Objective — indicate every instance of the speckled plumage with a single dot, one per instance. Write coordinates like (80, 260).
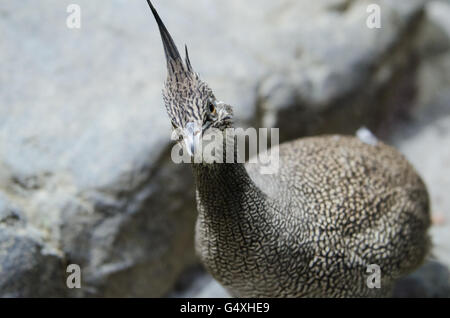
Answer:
(335, 206)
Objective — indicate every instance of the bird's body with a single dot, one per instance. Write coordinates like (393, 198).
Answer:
(336, 208)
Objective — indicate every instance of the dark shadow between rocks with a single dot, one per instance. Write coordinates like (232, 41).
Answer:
(432, 280)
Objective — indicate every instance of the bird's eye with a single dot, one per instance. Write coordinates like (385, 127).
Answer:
(212, 108)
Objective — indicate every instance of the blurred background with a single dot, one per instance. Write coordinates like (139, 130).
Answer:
(85, 170)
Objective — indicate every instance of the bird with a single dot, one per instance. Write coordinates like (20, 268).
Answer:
(337, 207)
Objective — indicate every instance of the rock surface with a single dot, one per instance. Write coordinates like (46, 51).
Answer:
(424, 137)
(85, 172)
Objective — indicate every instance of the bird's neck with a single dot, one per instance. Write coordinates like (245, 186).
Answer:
(230, 208)
(233, 214)
(223, 181)
(226, 187)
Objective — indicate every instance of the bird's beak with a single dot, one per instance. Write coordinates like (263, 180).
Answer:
(192, 138)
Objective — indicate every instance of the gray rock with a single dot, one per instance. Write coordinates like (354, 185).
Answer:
(84, 146)
(10, 215)
(424, 137)
(425, 140)
(27, 269)
(432, 281)
(344, 74)
(211, 289)
(85, 172)
(197, 283)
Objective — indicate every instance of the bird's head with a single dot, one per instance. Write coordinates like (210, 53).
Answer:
(190, 103)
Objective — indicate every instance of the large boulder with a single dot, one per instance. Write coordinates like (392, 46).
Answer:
(85, 170)
(84, 152)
